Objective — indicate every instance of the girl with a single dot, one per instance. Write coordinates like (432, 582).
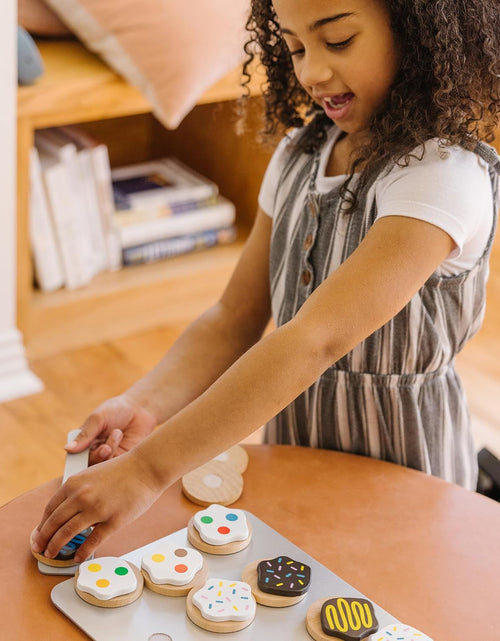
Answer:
(370, 246)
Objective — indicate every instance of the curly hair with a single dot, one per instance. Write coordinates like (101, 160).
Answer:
(447, 85)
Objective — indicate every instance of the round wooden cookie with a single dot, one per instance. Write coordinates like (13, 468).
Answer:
(223, 627)
(236, 457)
(167, 589)
(228, 548)
(55, 563)
(249, 575)
(116, 602)
(315, 628)
(214, 482)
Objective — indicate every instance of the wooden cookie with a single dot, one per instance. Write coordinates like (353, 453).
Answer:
(236, 457)
(341, 618)
(108, 582)
(400, 632)
(214, 482)
(221, 606)
(279, 582)
(66, 555)
(172, 570)
(219, 530)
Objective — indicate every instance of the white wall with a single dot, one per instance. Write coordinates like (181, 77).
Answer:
(15, 377)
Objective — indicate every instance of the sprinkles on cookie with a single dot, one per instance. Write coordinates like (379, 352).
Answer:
(283, 576)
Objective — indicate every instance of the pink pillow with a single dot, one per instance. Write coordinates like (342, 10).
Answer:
(37, 18)
(172, 50)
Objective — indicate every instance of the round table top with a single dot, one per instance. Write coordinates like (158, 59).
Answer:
(425, 550)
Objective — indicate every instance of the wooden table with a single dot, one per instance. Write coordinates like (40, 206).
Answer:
(425, 550)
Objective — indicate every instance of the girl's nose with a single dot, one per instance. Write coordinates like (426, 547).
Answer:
(313, 69)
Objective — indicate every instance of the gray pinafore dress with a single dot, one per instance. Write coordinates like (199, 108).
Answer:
(396, 396)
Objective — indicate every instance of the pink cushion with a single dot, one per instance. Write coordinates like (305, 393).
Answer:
(172, 50)
(37, 18)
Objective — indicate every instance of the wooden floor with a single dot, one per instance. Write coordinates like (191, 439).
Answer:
(34, 429)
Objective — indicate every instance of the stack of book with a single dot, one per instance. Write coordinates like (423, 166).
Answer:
(86, 218)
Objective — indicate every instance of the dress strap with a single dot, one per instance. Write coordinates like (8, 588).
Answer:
(488, 154)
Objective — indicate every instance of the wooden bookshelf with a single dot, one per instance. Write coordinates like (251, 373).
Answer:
(77, 88)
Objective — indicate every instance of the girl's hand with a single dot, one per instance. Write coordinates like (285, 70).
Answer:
(114, 428)
(105, 496)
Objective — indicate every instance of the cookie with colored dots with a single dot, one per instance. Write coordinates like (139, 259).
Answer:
(214, 482)
(349, 619)
(278, 582)
(108, 582)
(172, 570)
(221, 605)
(65, 557)
(219, 530)
(400, 632)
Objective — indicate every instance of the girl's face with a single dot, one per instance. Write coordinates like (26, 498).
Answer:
(344, 55)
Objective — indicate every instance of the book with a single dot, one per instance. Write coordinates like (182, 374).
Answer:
(166, 184)
(68, 224)
(53, 146)
(47, 264)
(169, 247)
(221, 214)
(102, 186)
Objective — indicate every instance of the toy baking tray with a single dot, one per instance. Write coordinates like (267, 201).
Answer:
(154, 617)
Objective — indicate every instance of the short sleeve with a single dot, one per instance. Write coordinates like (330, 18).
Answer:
(274, 171)
(449, 187)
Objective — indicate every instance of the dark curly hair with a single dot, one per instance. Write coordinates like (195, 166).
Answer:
(447, 85)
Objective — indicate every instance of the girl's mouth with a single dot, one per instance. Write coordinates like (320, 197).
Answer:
(338, 106)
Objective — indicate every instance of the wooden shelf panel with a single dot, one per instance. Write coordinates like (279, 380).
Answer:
(173, 291)
(78, 87)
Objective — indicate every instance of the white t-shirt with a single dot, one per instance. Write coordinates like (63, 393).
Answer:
(450, 188)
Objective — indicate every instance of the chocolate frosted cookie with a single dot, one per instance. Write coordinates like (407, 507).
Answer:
(348, 619)
(283, 576)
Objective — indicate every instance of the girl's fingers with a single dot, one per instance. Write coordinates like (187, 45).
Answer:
(91, 428)
(107, 450)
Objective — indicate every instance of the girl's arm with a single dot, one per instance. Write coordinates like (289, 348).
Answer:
(375, 282)
(199, 356)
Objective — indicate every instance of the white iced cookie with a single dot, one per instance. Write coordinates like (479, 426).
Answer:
(108, 582)
(221, 605)
(219, 530)
(399, 632)
(172, 570)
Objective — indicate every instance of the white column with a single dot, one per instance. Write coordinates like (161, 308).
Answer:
(16, 379)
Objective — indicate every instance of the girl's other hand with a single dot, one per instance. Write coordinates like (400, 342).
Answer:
(105, 496)
(112, 429)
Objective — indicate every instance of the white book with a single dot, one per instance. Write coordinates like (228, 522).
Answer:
(101, 172)
(164, 182)
(54, 143)
(67, 222)
(222, 214)
(44, 246)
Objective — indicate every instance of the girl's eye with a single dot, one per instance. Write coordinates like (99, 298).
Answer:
(297, 52)
(340, 45)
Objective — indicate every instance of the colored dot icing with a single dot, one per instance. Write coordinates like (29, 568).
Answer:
(283, 576)
(122, 571)
(106, 579)
(348, 619)
(215, 528)
(225, 600)
(169, 571)
(400, 632)
(69, 550)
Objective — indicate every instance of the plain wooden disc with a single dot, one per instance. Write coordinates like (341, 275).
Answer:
(214, 482)
(118, 601)
(236, 457)
(167, 589)
(55, 563)
(228, 548)
(249, 575)
(212, 626)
